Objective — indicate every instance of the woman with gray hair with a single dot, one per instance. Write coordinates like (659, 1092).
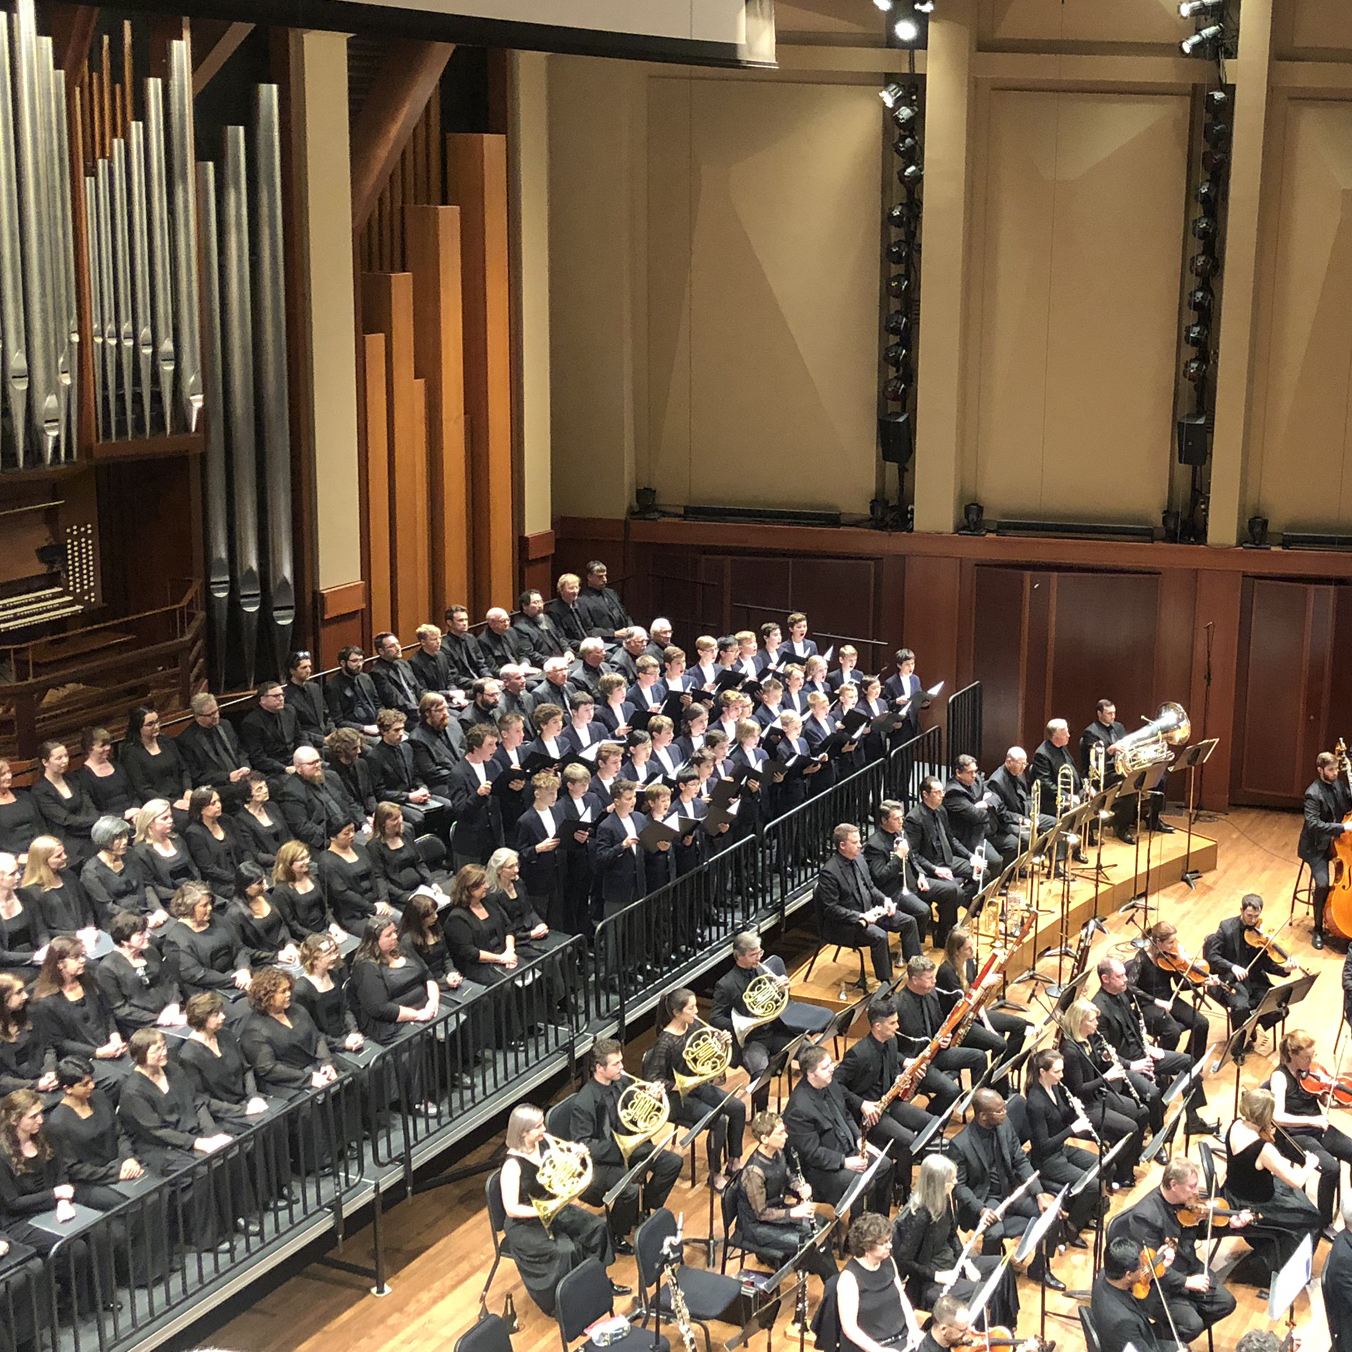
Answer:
(115, 877)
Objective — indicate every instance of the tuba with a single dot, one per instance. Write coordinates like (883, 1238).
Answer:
(565, 1174)
(1150, 745)
(708, 1053)
(765, 998)
(642, 1110)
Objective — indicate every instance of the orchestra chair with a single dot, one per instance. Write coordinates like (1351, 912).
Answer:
(497, 1224)
(584, 1297)
(488, 1335)
(728, 1212)
(1016, 1106)
(433, 852)
(841, 940)
(1302, 891)
(708, 1295)
(1091, 1338)
(557, 1116)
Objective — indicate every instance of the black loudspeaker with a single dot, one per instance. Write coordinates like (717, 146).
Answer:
(895, 438)
(1192, 446)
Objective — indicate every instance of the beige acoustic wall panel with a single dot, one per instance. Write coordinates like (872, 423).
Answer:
(1120, 21)
(1299, 470)
(763, 288)
(1076, 308)
(1318, 30)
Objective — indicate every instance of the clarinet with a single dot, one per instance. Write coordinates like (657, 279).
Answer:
(1145, 1037)
(1079, 1109)
(797, 1182)
(1110, 1052)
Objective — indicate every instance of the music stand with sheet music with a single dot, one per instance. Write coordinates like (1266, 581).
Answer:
(1033, 1236)
(1095, 1174)
(865, 1180)
(1189, 759)
(1278, 1000)
(1293, 1277)
(773, 1302)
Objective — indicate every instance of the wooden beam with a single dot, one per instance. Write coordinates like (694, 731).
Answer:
(72, 30)
(407, 80)
(208, 62)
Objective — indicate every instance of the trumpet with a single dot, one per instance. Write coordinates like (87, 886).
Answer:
(565, 1173)
(642, 1109)
(765, 999)
(1097, 768)
(708, 1053)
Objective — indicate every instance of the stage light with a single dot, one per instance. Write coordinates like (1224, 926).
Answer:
(1196, 335)
(896, 323)
(1208, 193)
(924, 6)
(899, 286)
(907, 148)
(1203, 265)
(1258, 532)
(1204, 227)
(891, 95)
(973, 519)
(1197, 367)
(912, 175)
(903, 214)
(1217, 100)
(1212, 33)
(896, 354)
(1200, 299)
(903, 115)
(1189, 8)
(1215, 161)
(906, 30)
(884, 5)
(899, 251)
(896, 391)
(1216, 134)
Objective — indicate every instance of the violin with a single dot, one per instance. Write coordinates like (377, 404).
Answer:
(1265, 941)
(1156, 1265)
(1000, 1335)
(1214, 1210)
(1195, 971)
(1334, 1090)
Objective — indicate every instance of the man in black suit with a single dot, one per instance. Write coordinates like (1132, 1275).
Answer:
(467, 659)
(565, 611)
(1195, 1299)
(270, 732)
(555, 688)
(659, 637)
(826, 1129)
(351, 694)
(396, 684)
(477, 810)
(314, 805)
(585, 674)
(633, 645)
(1327, 802)
(515, 698)
(992, 1165)
(499, 643)
(1119, 1319)
(920, 1015)
(483, 707)
(1050, 760)
(869, 1070)
(887, 855)
(1337, 1286)
(854, 911)
(594, 1120)
(1104, 732)
(972, 811)
(1233, 959)
(438, 743)
(1014, 806)
(396, 776)
(941, 860)
(538, 630)
(431, 664)
(306, 696)
(602, 610)
(213, 752)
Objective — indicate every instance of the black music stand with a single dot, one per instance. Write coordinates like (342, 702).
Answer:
(1095, 1174)
(1154, 778)
(1190, 759)
(765, 1314)
(863, 1182)
(1033, 1236)
(1278, 1000)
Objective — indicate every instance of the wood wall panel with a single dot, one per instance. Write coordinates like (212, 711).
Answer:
(931, 632)
(432, 237)
(476, 180)
(341, 613)
(537, 562)
(376, 440)
(998, 643)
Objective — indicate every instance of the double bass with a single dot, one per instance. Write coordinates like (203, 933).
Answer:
(1338, 906)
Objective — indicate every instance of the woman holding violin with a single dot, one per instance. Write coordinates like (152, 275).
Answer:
(1259, 1178)
(1302, 1091)
(1171, 985)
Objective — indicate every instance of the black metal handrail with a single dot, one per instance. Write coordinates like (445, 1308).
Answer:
(965, 723)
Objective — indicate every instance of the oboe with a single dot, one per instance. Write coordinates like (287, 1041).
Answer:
(799, 1185)
(1145, 1037)
(1079, 1109)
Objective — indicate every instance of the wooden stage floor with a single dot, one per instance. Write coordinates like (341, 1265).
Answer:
(438, 1242)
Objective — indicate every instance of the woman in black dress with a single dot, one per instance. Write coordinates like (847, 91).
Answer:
(677, 1015)
(298, 898)
(391, 986)
(1053, 1120)
(872, 1308)
(926, 1247)
(261, 827)
(84, 1131)
(544, 1256)
(532, 935)
(115, 877)
(53, 887)
(288, 1053)
(20, 820)
(321, 991)
(139, 986)
(164, 857)
(1099, 1084)
(213, 842)
(259, 926)
(420, 932)
(206, 951)
(64, 801)
(349, 881)
(1305, 1117)
(154, 765)
(215, 1063)
(477, 931)
(1260, 1178)
(401, 871)
(72, 1017)
(26, 1061)
(107, 782)
(23, 930)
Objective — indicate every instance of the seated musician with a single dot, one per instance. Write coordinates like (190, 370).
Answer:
(1327, 804)
(1053, 1120)
(1157, 976)
(874, 1314)
(972, 811)
(869, 1070)
(677, 1015)
(774, 1201)
(921, 1014)
(1259, 1176)
(763, 1042)
(1051, 762)
(1336, 1283)
(854, 911)
(887, 854)
(926, 1247)
(826, 1129)
(1194, 1299)
(937, 855)
(996, 1031)
(1106, 731)
(1014, 794)
(1151, 1069)
(1119, 1317)
(1235, 951)
(594, 1120)
(951, 1326)
(1304, 1116)
(992, 1166)
(1102, 1086)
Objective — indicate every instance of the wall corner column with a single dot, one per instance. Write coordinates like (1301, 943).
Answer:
(943, 265)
